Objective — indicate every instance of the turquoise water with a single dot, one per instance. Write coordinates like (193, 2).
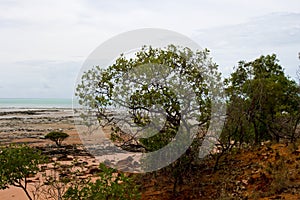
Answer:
(35, 103)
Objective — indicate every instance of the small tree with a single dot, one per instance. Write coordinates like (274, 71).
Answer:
(57, 137)
(17, 163)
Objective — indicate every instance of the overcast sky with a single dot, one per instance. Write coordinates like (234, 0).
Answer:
(44, 43)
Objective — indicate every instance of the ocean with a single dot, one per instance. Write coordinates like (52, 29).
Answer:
(35, 103)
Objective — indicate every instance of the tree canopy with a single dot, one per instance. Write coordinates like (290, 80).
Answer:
(57, 136)
(151, 100)
(263, 102)
(17, 163)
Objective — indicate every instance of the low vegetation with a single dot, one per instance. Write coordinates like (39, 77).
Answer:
(17, 163)
(109, 185)
(21, 164)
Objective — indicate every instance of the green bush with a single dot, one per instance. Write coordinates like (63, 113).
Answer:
(17, 163)
(110, 185)
(57, 137)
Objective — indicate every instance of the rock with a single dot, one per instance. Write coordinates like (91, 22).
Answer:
(41, 137)
(107, 162)
(85, 163)
(245, 182)
(129, 159)
(123, 163)
(43, 168)
(95, 170)
(136, 164)
(64, 158)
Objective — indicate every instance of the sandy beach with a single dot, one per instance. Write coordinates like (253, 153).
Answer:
(30, 126)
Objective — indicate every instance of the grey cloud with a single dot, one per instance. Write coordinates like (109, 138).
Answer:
(275, 33)
(40, 78)
(270, 30)
(12, 23)
(35, 62)
(46, 86)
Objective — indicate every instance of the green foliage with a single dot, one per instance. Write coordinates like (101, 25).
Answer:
(57, 137)
(17, 163)
(263, 103)
(187, 70)
(110, 185)
(99, 87)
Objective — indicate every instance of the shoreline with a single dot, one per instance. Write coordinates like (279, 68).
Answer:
(29, 126)
(32, 124)
(34, 108)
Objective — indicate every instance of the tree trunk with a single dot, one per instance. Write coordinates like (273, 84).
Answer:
(25, 190)
(256, 132)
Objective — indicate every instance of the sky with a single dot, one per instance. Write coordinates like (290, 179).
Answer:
(43, 44)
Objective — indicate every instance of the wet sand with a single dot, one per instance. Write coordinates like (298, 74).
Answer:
(30, 126)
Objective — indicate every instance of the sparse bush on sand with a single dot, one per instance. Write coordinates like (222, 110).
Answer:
(57, 137)
(18, 162)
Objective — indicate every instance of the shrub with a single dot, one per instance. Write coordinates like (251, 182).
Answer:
(17, 163)
(57, 137)
(110, 185)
